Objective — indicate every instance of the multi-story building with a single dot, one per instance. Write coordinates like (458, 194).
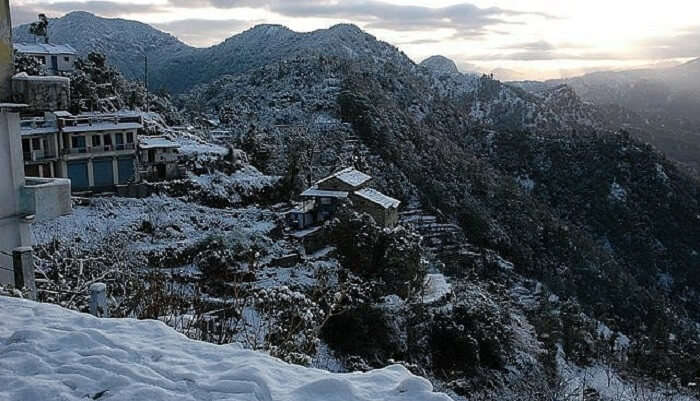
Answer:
(96, 151)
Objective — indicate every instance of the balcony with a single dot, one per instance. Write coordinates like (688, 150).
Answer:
(46, 198)
(38, 155)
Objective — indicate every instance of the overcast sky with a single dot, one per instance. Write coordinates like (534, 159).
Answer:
(515, 38)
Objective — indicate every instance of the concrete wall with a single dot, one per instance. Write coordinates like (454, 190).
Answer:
(42, 93)
(388, 217)
(62, 64)
(6, 58)
(14, 230)
(47, 198)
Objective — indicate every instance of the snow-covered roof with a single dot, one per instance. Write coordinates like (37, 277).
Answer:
(104, 126)
(377, 197)
(47, 351)
(44, 48)
(154, 142)
(319, 193)
(62, 114)
(349, 176)
(29, 131)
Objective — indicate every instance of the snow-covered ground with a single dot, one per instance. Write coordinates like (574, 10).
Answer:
(50, 353)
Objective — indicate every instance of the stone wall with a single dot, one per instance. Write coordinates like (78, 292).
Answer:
(41, 93)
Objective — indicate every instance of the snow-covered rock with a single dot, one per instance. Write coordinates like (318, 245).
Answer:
(50, 353)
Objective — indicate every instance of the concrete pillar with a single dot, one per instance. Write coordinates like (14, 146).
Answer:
(23, 260)
(91, 174)
(98, 300)
(6, 56)
(115, 170)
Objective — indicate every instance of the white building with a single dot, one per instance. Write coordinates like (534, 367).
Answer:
(96, 151)
(54, 58)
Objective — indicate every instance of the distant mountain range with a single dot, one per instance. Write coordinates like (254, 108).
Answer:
(660, 106)
(178, 67)
(535, 173)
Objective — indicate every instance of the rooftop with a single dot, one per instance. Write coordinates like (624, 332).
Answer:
(155, 142)
(102, 126)
(377, 197)
(44, 48)
(350, 176)
(314, 192)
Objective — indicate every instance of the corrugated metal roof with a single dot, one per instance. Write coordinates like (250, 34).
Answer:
(44, 48)
(349, 176)
(153, 142)
(377, 197)
(319, 193)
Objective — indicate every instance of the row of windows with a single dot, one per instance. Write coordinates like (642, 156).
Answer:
(102, 140)
(42, 59)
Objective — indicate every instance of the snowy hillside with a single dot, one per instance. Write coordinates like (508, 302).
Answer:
(52, 353)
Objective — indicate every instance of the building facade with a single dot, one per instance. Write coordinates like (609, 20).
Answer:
(54, 58)
(158, 158)
(96, 152)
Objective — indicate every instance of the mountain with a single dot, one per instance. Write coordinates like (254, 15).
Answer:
(569, 234)
(536, 182)
(124, 42)
(657, 105)
(440, 64)
(178, 67)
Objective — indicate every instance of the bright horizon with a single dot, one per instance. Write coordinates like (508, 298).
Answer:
(540, 40)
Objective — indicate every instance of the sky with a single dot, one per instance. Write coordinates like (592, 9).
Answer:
(514, 39)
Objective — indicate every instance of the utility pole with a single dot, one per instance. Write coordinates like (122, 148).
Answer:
(145, 82)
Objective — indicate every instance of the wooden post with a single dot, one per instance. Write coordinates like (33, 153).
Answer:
(23, 261)
(98, 300)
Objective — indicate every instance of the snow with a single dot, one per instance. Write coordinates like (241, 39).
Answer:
(103, 126)
(436, 288)
(617, 192)
(319, 193)
(349, 176)
(377, 197)
(153, 142)
(45, 48)
(191, 146)
(50, 353)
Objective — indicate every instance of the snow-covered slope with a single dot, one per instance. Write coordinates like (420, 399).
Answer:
(50, 353)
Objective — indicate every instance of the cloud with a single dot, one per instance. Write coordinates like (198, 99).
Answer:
(467, 20)
(684, 44)
(27, 12)
(202, 32)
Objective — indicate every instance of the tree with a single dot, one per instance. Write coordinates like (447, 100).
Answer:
(40, 28)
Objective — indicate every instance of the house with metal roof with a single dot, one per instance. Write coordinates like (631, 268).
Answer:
(53, 57)
(329, 193)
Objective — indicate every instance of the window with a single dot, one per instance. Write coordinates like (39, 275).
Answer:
(107, 139)
(41, 59)
(119, 141)
(129, 137)
(66, 59)
(25, 146)
(96, 140)
(36, 143)
(78, 142)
